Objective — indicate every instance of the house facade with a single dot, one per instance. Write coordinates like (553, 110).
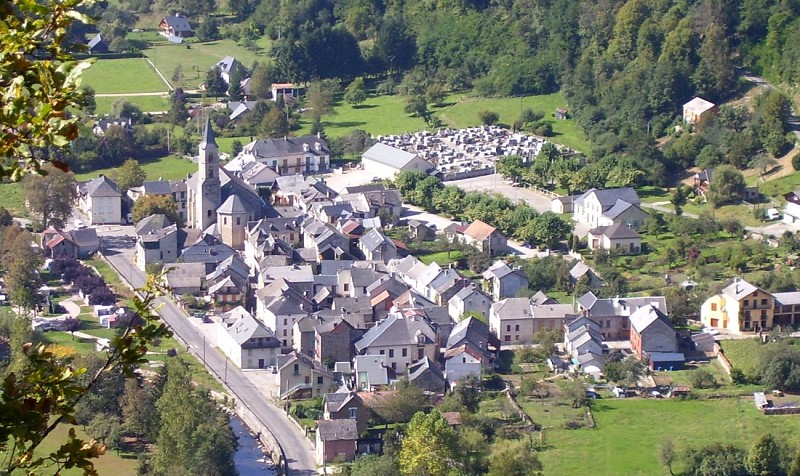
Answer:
(613, 314)
(469, 300)
(605, 207)
(402, 341)
(505, 281)
(100, 201)
(740, 307)
(246, 341)
(616, 238)
(336, 441)
(290, 155)
(652, 332)
(486, 238)
(300, 375)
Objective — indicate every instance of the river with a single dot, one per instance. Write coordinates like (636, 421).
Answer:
(250, 458)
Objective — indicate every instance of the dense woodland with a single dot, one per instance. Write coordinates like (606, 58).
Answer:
(625, 67)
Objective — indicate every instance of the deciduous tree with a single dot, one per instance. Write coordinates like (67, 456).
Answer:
(151, 204)
(513, 458)
(130, 174)
(356, 92)
(428, 446)
(51, 197)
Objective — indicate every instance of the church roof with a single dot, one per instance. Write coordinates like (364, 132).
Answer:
(233, 205)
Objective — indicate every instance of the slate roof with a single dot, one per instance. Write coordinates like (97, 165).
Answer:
(617, 231)
(645, 316)
(101, 186)
(541, 298)
(233, 205)
(788, 298)
(388, 155)
(85, 237)
(468, 291)
(179, 23)
(228, 64)
(337, 400)
(185, 275)
(98, 42)
(247, 327)
(608, 197)
(157, 187)
(396, 331)
(552, 311)
(624, 306)
(373, 239)
(471, 330)
(512, 308)
(281, 299)
(739, 288)
(419, 368)
(152, 223)
(337, 430)
(500, 270)
(269, 148)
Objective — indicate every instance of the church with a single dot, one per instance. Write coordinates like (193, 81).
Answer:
(218, 202)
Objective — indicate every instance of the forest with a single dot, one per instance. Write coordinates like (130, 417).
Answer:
(624, 66)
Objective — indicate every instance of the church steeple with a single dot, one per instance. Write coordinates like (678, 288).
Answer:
(208, 135)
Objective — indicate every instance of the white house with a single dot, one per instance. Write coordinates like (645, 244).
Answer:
(462, 361)
(99, 199)
(694, 110)
(469, 299)
(617, 237)
(383, 161)
(608, 206)
(289, 155)
(791, 212)
(246, 341)
(403, 341)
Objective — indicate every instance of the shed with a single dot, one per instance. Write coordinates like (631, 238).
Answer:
(561, 114)
(666, 360)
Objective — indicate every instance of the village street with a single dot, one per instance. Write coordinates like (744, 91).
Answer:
(247, 387)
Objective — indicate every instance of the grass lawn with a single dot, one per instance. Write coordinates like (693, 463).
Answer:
(123, 464)
(168, 168)
(464, 113)
(105, 105)
(12, 197)
(778, 187)
(629, 431)
(226, 143)
(110, 276)
(81, 346)
(551, 413)
(651, 194)
(742, 353)
(441, 257)
(127, 75)
(196, 59)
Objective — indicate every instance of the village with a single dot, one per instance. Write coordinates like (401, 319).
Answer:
(310, 293)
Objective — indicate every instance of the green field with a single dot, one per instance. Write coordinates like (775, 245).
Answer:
(629, 431)
(384, 115)
(778, 187)
(196, 59)
(168, 168)
(145, 103)
(464, 113)
(110, 463)
(128, 75)
(441, 258)
(12, 197)
(742, 353)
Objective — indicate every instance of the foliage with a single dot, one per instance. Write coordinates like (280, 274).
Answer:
(764, 458)
(373, 465)
(401, 407)
(626, 372)
(39, 80)
(44, 392)
(513, 458)
(779, 366)
(727, 186)
(428, 446)
(356, 92)
(715, 459)
(194, 435)
(666, 454)
(151, 204)
(50, 197)
(129, 174)
(702, 378)
(488, 118)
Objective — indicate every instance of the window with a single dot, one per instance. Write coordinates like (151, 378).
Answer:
(224, 220)
(421, 353)
(346, 287)
(307, 380)
(405, 352)
(391, 352)
(713, 306)
(319, 380)
(208, 213)
(353, 412)
(291, 236)
(508, 328)
(746, 302)
(296, 368)
(284, 333)
(383, 352)
(284, 342)
(763, 302)
(238, 220)
(284, 322)
(507, 338)
(516, 337)
(516, 328)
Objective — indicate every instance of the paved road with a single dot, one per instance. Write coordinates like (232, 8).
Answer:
(297, 448)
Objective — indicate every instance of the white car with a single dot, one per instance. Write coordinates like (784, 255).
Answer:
(79, 225)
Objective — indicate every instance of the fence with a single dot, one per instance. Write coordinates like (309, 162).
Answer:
(726, 364)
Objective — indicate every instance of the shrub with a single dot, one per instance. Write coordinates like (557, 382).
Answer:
(702, 378)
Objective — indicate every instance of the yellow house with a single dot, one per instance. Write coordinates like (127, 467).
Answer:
(741, 307)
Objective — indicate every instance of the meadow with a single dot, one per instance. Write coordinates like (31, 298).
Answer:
(629, 432)
(120, 76)
(105, 105)
(12, 197)
(195, 59)
(168, 168)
